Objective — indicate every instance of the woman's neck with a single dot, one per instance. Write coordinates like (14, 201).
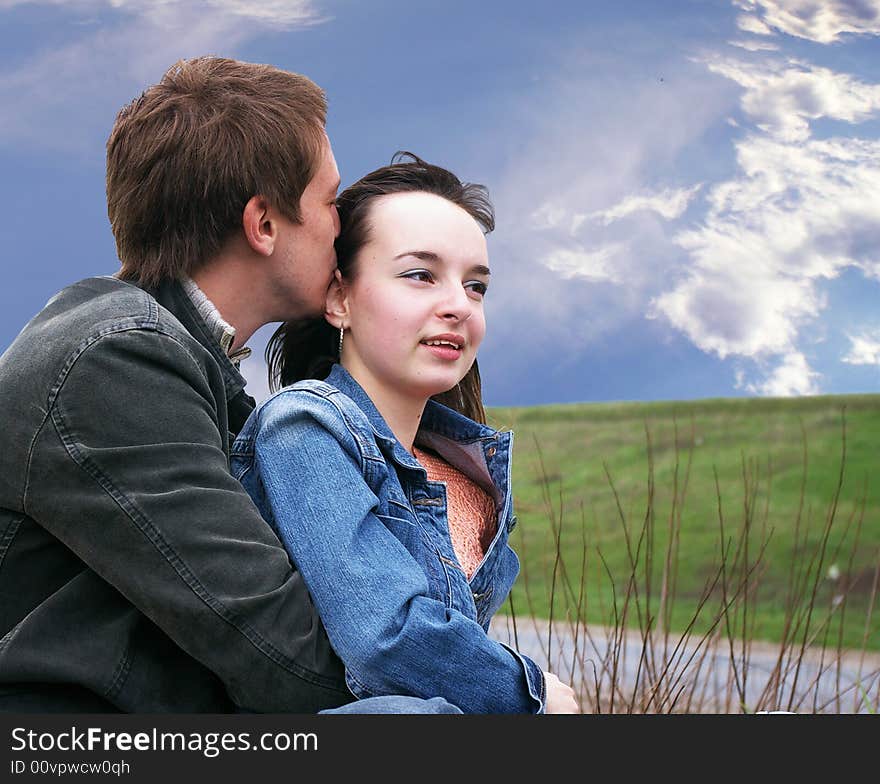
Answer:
(401, 413)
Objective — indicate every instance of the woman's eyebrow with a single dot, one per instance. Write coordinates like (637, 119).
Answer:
(427, 255)
(424, 255)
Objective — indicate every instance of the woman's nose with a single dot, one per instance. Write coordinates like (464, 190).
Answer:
(456, 305)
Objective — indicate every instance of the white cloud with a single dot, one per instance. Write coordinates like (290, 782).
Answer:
(287, 13)
(579, 262)
(748, 281)
(796, 215)
(67, 95)
(550, 216)
(871, 268)
(799, 212)
(782, 98)
(753, 45)
(751, 24)
(823, 21)
(569, 283)
(739, 307)
(864, 349)
(792, 376)
(174, 13)
(669, 204)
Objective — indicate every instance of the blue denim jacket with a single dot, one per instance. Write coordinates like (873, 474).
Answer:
(369, 534)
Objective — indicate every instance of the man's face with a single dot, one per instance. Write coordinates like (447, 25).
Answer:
(307, 258)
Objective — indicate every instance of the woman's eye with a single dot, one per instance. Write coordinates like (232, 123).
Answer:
(477, 287)
(422, 275)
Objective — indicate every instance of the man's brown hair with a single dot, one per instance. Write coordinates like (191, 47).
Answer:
(185, 157)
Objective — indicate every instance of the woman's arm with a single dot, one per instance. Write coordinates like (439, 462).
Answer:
(371, 594)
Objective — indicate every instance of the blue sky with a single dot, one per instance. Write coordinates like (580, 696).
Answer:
(687, 192)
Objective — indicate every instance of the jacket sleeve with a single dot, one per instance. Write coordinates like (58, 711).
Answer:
(371, 594)
(129, 470)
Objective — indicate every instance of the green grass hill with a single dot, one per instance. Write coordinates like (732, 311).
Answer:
(667, 511)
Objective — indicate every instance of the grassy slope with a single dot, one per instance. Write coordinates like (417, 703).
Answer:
(758, 447)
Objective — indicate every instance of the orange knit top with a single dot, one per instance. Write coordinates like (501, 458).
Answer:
(469, 509)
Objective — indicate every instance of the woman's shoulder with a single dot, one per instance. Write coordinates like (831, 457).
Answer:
(310, 394)
(316, 402)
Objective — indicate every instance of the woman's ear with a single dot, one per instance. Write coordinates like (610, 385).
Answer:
(336, 306)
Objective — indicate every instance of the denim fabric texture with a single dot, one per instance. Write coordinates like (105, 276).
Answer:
(369, 533)
(395, 704)
(136, 574)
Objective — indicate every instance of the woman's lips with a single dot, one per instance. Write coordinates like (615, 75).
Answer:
(443, 351)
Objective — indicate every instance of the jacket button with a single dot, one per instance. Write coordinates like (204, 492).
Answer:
(490, 451)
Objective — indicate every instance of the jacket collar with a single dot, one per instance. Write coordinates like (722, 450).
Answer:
(342, 380)
(437, 419)
(170, 295)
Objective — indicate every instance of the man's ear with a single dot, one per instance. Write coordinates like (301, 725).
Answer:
(260, 228)
(336, 306)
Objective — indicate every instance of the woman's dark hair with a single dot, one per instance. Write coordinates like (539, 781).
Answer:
(308, 349)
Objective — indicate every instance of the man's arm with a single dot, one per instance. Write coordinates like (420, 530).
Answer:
(129, 471)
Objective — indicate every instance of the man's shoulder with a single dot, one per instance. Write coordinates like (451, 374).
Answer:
(84, 319)
(99, 303)
(91, 308)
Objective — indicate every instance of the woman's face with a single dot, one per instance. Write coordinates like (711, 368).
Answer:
(415, 304)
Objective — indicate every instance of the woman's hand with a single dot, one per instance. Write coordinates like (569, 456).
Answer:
(560, 696)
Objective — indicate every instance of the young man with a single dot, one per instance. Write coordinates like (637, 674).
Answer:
(135, 573)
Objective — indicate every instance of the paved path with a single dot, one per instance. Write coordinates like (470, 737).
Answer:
(698, 678)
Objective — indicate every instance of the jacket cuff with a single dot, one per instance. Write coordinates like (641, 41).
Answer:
(534, 676)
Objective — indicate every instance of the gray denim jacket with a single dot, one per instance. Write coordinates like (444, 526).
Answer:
(135, 572)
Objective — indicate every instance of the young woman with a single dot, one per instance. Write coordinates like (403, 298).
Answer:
(394, 507)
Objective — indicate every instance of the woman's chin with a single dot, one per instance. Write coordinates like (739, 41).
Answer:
(430, 388)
